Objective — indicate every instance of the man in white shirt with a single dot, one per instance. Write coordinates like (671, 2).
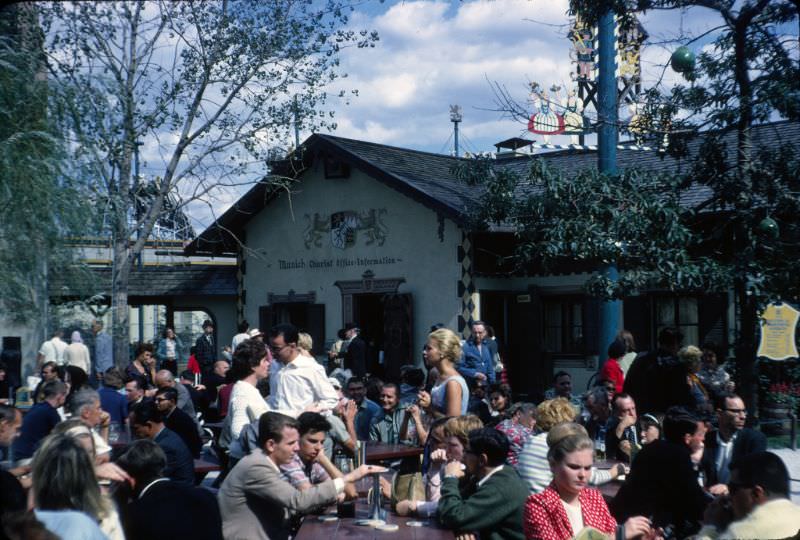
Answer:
(241, 335)
(53, 349)
(301, 383)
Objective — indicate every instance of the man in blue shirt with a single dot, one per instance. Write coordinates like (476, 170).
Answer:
(368, 413)
(40, 420)
(476, 357)
(103, 352)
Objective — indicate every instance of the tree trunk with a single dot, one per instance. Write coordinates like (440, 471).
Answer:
(119, 301)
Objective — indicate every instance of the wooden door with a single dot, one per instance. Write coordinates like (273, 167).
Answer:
(397, 334)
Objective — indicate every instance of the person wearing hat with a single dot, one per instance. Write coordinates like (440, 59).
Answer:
(206, 348)
(255, 333)
(355, 357)
(241, 335)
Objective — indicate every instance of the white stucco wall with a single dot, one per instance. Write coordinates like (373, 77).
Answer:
(412, 250)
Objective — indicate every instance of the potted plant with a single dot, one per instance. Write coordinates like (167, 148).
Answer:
(780, 400)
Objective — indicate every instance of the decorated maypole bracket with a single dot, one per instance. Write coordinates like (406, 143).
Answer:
(561, 110)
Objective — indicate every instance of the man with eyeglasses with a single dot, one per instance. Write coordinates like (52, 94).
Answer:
(301, 384)
(728, 444)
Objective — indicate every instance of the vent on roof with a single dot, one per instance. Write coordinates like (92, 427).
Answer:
(514, 145)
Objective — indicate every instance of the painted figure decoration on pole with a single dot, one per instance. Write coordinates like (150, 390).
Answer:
(582, 52)
(545, 121)
(573, 116)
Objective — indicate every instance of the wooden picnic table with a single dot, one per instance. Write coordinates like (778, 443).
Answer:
(378, 451)
(345, 528)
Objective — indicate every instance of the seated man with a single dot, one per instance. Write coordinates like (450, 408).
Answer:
(494, 509)
(562, 387)
(594, 416)
(162, 509)
(111, 400)
(759, 500)
(731, 442)
(663, 482)
(622, 438)
(178, 421)
(147, 423)
(40, 420)
(310, 466)
(368, 412)
(165, 379)
(255, 502)
(85, 405)
(396, 426)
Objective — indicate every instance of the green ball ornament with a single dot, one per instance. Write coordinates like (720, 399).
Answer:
(682, 60)
(769, 227)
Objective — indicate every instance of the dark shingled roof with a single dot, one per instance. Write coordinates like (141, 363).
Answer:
(427, 177)
(157, 281)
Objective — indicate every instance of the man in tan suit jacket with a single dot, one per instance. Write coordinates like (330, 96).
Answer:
(256, 504)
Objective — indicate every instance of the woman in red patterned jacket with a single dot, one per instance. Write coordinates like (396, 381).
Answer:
(567, 506)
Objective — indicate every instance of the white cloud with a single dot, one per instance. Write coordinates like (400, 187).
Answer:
(432, 54)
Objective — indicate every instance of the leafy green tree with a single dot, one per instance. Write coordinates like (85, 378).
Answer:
(206, 88)
(744, 236)
(39, 205)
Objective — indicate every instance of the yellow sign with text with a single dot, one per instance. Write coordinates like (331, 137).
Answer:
(778, 327)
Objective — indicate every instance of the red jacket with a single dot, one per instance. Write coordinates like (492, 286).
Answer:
(544, 517)
(612, 372)
(193, 366)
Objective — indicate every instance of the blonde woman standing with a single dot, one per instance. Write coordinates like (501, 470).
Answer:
(449, 396)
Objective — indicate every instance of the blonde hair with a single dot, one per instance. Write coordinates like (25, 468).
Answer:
(460, 426)
(448, 344)
(554, 411)
(304, 341)
(63, 478)
(568, 445)
(566, 429)
(690, 356)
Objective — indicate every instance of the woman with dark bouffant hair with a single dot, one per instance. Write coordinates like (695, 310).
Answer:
(250, 365)
(66, 496)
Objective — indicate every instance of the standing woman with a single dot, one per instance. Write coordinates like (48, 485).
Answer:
(170, 350)
(449, 396)
(143, 366)
(630, 350)
(567, 506)
(250, 365)
(77, 354)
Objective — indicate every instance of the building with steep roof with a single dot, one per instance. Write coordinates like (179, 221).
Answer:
(380, 235)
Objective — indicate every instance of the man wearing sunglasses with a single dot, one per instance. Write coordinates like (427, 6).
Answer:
(728, 444)
(758, 501)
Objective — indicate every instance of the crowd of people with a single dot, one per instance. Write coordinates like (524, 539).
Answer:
(289, 430)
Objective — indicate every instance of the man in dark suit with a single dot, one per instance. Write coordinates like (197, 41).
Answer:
(663, 482)
(355, 359)
(178, 421)
(206, 349)
(148, 423)
(163, 509)
(728, 444)
(657, 379)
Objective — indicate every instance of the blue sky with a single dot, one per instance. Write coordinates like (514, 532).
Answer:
(435, 53)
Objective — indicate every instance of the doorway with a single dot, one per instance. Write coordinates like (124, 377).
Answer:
(368, 315)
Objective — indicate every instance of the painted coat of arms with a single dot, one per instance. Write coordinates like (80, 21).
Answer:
(343, 227)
